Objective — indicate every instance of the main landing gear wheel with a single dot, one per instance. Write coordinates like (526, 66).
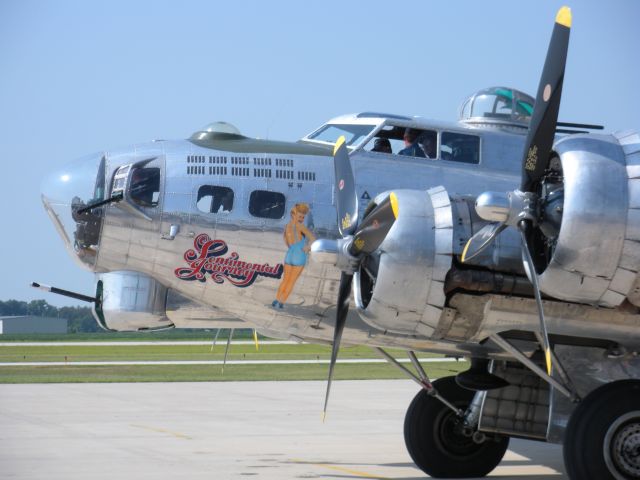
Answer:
(435, 439)
(603, 435)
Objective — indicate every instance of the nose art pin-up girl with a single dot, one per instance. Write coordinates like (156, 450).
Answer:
(298, 239)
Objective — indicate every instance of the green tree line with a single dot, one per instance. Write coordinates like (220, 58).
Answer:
(79, 319)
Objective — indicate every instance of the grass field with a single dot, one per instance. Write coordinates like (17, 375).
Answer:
(177, 373)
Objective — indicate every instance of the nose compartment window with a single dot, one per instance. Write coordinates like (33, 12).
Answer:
(213, 199)
(145, 186)
(265, 204)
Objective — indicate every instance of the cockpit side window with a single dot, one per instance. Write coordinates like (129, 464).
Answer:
(144, 188)
(460, 147)
(404, 141)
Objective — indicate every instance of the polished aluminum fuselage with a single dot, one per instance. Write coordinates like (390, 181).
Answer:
(213, 270)
(134, 243)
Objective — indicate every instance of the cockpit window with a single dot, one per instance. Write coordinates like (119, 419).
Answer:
(214, 199)
(145, 186)
(404, 141)
(330, 133)
(459, 147)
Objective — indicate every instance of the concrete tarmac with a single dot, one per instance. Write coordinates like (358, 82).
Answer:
(222, 430)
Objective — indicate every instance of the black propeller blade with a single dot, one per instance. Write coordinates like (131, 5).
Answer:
(367, 237)
(481, 240)
(523, 226)
(545, 113)
(375, 226)
(537, 152)
(535, 161)
(342, 309)
(346, 197)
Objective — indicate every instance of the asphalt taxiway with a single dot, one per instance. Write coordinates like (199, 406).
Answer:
(222, 430)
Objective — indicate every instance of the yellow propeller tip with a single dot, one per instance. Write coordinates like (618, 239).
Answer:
(324, 416)
(564, 17)
(394, 204)
(339, 143)
(547, 356)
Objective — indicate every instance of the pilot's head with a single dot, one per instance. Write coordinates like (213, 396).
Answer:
(382, 145)
(299, 211)
(428, 144)
(410, 136)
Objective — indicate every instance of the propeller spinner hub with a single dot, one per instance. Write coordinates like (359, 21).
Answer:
(507, 208)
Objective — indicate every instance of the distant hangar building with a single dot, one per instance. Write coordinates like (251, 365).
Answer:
(32, 324)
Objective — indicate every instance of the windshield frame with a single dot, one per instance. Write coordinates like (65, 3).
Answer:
(373, 123)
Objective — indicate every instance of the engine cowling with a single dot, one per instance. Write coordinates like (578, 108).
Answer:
(400, 288)
(596, 258)
(131, 301)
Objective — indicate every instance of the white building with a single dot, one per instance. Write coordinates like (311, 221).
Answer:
(32, 324)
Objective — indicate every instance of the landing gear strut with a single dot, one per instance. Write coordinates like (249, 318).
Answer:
(603, 435)
(437, 441)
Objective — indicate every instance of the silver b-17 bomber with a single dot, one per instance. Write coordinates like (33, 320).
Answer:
(506, 237)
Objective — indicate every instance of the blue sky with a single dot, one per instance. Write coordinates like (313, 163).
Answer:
(82, 77)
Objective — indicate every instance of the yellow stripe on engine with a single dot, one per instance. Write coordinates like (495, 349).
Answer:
(394, 204)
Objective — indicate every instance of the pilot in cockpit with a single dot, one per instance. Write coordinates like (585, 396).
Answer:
(412, 147)
(382, 145)
(428, 142)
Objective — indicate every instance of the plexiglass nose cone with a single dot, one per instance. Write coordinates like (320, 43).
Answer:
(64, 192)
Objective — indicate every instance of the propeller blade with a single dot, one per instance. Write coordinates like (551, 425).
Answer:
(523, 227)
(215, 339)
(255, 339)
(344, 293)
(226, 350)
(545, 113)
(346, 197)
(481, 240)
(374, 227)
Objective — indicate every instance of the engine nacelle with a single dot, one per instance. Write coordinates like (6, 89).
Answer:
(131, 301)
(400, 289)
(597, 256)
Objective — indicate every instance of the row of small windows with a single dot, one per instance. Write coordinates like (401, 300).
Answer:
(262, 172)
(217, 170)
(284, 162)
(240, 160)
(285, 174)
(203, 159)
(308, 176)
(240, 171)
(262, 203)
(245, 172)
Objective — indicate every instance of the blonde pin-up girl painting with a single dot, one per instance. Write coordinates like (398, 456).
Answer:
(298, 239)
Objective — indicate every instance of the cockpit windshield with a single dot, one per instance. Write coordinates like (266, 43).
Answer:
(330, 133)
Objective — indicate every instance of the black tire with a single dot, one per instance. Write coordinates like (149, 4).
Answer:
(610, 412)
(437, 447)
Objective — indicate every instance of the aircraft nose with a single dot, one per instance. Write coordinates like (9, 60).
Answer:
(64, 193)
